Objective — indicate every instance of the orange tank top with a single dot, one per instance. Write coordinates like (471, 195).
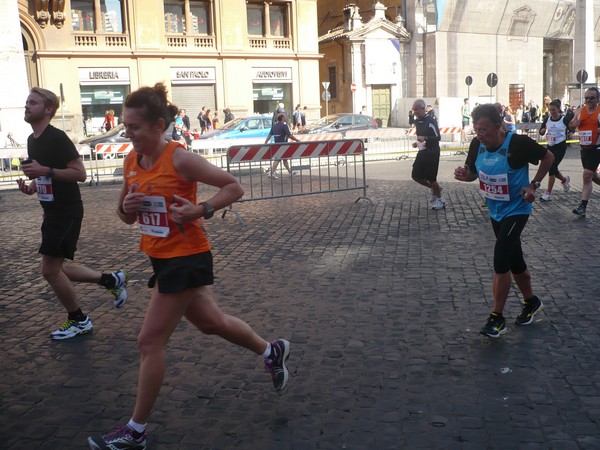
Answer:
(161, 237)
(588, 127)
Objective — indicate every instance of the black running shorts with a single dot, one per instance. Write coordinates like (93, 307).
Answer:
(182, 273)
(508, 254)
(426, 165)
(60, 236)
(590, 158)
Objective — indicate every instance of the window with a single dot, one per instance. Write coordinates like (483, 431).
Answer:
(268, 19)
(199, 18)
(83, 15)
(332, 82)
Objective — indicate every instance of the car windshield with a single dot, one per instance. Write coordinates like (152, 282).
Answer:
(232, 125)
(326, 120)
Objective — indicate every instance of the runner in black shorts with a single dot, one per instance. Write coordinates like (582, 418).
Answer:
(556, 129)
(425, 167)
(54, 166)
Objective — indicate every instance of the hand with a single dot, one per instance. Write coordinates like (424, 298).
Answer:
(182, 210)
(34, 169)
(462, 173)
(25, 188)
(528, 194)
(133, 200)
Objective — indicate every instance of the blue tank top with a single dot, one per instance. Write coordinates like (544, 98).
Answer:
(500, 183)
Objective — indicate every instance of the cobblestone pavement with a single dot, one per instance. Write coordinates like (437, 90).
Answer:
(382, 304)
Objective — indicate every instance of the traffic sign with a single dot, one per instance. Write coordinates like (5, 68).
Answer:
(353, 87)
(582, 76)
(492, 80)
(326, 85)
(469, 80)
(326, 96)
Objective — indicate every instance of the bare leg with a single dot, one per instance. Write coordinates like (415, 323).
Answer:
(286, 164)
(422, 182)
(523, 281)
(77, 272)
(501, 290)
(586, 191)
(437, 190)
(204, 313)
(52, 271)
(274, 167)
(551, 180)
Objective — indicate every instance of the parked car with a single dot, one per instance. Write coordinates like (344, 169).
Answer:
(243, 127)
(340, 123)
(114, 135)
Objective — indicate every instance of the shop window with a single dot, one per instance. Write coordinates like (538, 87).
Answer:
(176, 18)
(268, 19)
(104, 16)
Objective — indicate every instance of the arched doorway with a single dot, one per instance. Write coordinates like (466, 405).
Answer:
(29, 49)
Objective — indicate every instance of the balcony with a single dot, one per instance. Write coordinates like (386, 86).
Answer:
(180, 41)
(101, 40)
(273, 44)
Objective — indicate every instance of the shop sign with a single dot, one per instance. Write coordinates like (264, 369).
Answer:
(193, 75)
(271, 74)
(103, 75)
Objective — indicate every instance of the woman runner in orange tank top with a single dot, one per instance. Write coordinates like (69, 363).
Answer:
(159, 193)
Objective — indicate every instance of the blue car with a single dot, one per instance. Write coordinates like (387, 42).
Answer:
(245, 127)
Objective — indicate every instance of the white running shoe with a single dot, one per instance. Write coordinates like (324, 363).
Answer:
(120, 289)
(439, 203)
(566, 184)
(545, 197)
(72, 328)
(272, 175)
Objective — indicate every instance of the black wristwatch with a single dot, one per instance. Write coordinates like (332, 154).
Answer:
(536, 184)
(209, 211)
(50, 173)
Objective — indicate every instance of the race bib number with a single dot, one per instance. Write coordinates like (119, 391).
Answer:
(152, 216)
(494, 187)
(585, 137)
(552, 139)
(44, 189)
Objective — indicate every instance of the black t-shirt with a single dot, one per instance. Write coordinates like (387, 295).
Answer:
(281, 132)
(53, 148)
(428, 127)
(522, 150)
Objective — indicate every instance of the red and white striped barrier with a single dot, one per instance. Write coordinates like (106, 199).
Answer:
(238, 154)
(319, 137)
(120, 148)
(444, 130)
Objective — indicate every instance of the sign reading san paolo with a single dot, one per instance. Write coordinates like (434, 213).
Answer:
(193, 75)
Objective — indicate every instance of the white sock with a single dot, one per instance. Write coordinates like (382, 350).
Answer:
(267, 352)
(140, 428)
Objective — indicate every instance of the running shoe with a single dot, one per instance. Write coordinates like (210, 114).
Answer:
(275, 363)
(566, 184)
(120, 289)
(272, 175)
(294, 173)
(495, 326)
(123, 438)
(440, 203)
(530, 308)
(545, 197)
(433, 197)
(580, 211)
(72, 328)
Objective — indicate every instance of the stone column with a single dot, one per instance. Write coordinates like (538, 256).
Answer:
(584, 46)
(14, 87)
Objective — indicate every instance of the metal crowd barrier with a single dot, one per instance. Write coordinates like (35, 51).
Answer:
(317, 167)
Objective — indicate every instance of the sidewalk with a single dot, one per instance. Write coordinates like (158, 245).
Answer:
(382, 304)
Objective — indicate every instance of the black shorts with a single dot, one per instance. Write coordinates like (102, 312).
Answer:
(426, 165)
(60, 236)
(508, 254)
(558, 151)
(182, 272)
(590, 158)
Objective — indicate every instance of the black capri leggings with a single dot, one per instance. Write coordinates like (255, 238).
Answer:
(508, 254)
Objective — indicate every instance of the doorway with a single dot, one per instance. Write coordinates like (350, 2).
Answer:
(381, 101)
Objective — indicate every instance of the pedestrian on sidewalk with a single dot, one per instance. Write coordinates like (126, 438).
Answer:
(501, 162)
(425, 167)
(587, 121)
(281, 133)
(556, 128)
(54, 168)
(172, 235)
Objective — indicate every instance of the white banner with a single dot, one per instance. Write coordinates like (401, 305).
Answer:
(382, 61)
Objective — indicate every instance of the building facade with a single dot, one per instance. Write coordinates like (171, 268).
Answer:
(243, 55)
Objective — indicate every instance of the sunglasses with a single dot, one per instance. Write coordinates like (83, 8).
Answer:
(590, 98)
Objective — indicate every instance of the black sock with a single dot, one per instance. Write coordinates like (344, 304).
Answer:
(584, 203)
(108, 281)
(77, 315)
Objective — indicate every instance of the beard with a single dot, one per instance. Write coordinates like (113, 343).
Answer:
(33, 117)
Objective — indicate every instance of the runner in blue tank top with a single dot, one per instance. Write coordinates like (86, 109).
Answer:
(501, 162)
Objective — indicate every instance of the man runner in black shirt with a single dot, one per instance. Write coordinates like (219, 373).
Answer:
(54, 166)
